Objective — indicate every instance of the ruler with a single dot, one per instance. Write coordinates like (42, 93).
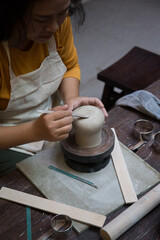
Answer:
(73, 176)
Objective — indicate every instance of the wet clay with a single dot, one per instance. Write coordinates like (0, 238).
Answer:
(88, 131)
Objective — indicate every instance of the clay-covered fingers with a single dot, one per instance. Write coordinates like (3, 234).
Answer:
(59, 124)
(53, 126)
(61, 107)
(63, 132)
(96, 102)
(59, 115)
(81, 101)
(63, 121)
(61, 129)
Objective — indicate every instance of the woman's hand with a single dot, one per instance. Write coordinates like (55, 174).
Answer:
(54, 126)
(80, 101)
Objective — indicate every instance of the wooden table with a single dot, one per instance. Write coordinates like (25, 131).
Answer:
(136, 70)
(13, 216)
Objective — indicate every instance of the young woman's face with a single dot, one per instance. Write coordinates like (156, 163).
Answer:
(46, 17)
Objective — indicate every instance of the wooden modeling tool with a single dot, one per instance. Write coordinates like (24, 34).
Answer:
(133, 214)
(47, 205)
(73, 176)
(122, 173)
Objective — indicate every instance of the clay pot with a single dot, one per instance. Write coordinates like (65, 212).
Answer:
(88, 131)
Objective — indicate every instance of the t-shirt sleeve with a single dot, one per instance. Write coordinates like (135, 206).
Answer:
(67, 50)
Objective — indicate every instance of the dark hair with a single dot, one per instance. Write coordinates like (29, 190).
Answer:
(77, 7)
(12, 13)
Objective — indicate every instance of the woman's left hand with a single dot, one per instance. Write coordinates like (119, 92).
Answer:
(80, 101)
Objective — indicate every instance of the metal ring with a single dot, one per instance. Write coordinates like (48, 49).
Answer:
(143, 129)
(62, 226)
(156, 142)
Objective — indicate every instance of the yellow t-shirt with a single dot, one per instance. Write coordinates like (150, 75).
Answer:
(27, 61)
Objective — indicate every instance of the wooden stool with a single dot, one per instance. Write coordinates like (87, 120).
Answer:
(136, 70)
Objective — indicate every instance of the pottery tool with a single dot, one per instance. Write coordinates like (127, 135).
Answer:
(73, 115)
(156, 142)
(73, 176)
(35, 168)
(88, 160)
(122, 173)
(143, 130)
(47, 205)
(61, 226)
(133, 214)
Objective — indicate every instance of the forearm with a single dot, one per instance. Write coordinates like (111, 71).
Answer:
(50, 127)
(12, 136)
(69, 89)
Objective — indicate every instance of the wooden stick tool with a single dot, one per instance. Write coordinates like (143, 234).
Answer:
(122, 173)
(47, 205)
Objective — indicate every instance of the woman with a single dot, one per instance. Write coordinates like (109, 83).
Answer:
(38, 66)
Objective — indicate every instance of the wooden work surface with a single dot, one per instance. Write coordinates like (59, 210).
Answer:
(13, 216)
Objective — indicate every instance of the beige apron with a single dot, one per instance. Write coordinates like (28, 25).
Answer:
(33, 91)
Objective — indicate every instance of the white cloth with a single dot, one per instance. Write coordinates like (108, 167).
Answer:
(32, 91)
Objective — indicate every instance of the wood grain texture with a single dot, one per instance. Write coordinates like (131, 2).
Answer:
(132, 215)
(13, 219)
(94, 154)
(122, 173)
(129, 77)
(52, 207)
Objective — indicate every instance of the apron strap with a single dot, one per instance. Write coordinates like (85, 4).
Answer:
(52, 47)
(6, 47)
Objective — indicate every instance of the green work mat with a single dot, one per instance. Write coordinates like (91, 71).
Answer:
(64, 189)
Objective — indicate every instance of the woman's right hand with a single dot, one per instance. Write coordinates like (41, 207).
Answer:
(53, 126)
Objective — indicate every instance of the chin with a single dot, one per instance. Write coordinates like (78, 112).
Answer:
(44, 39)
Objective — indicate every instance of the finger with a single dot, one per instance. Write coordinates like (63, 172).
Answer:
(61, 133)
(105, 112)
(63, 122)
(58, 115)
(64, 130)
(88, 101)
(95, 102)
(62, 137)
(92, 101)
(61, 107)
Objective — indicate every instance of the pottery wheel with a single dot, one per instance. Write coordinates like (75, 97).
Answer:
(88, 159)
